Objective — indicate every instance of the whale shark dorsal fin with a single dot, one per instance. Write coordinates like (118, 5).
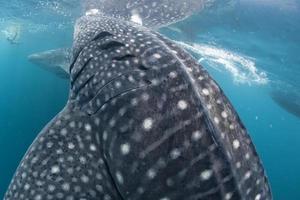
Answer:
(56, 61)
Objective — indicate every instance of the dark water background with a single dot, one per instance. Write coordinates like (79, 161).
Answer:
(266, 31)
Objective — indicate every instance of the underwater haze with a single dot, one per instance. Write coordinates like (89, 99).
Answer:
(250, 47)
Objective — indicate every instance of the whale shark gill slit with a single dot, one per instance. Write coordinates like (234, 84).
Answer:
(102, 35)
(95, 110)
(77, 90)
(73, 62)
(99, 36)
(111, 177)
(127, 56)
(79, 72)
(113, 50)
(114, 80)
(111, 44)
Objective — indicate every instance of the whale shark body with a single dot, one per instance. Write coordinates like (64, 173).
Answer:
(143, 121)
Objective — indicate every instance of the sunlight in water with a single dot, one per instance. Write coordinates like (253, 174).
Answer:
(243, 69)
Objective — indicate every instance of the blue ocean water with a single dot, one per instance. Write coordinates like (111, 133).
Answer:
(251, 47)
(30, 97)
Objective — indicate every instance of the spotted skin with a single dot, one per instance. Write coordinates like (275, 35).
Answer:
(152, 13)
(143, 121)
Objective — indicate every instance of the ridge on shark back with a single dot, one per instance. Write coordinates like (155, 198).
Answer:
(143, 121)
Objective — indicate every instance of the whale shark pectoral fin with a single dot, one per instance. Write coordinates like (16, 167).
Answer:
(66, 157)
(56, 61)
(287, 97)
(59, 72)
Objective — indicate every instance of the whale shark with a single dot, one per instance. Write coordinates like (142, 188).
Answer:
(143, 121)
(56, 61)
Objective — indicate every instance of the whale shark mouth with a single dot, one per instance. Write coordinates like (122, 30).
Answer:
(243, 69)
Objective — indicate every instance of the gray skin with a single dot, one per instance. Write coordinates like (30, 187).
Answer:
(143, 121)
(56, 61)
(154, 13)
(287, 97)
